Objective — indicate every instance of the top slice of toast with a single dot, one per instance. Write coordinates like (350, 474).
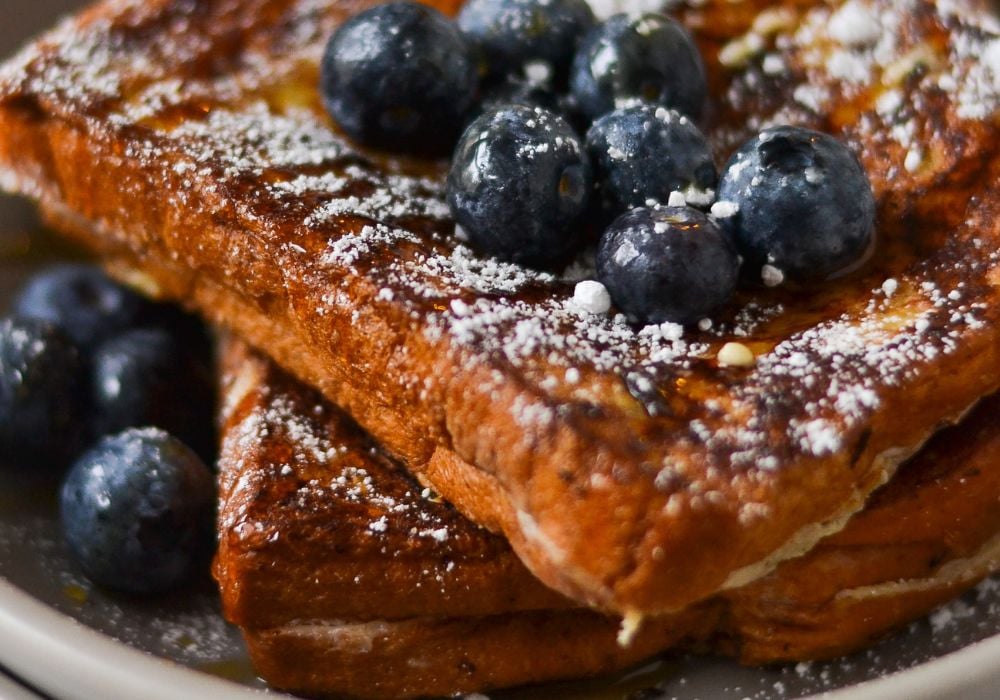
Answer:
(184, 142)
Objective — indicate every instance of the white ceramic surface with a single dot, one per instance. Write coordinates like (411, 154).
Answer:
(70, 660)
(13, 690)
(62, 635)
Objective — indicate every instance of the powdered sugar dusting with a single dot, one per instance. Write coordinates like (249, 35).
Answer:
(563, 333)
(186, 628)
(268, 163)
(328, 465)
(896, 52)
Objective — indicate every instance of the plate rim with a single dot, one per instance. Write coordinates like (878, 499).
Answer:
(95, 665)
(92, 664)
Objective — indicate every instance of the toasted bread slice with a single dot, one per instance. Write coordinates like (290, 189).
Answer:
(445, 656)
(184, 142)
(313, 511)
(921, 540)
(347, 578)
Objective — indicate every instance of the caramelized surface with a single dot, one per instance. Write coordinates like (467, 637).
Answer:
(317, 523)
(346, 578)
(184, 142)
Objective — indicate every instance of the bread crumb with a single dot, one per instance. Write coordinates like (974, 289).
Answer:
(736, 355)
(631, 623)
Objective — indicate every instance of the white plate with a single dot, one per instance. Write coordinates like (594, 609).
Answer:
(73, 641)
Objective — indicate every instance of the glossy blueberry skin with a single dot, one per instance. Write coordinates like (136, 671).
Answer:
(136, 511)
(667, 264)
(510, 90)
(519, 186)
(40, 377)
(145, 377)
(399, 76)
(649, 58)
(805, 204)
(511, 33)
(80, 299)
(644, 153)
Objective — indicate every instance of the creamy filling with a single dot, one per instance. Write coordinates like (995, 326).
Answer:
(803, 541)
(357, 637)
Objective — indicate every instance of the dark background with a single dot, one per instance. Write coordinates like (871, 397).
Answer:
(19, 22)
(27, 19)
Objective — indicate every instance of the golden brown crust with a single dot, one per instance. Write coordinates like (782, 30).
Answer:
(346, 578)
(921, 540)
(186, 139)
(312, 584)
(312, 511)
(440, 657)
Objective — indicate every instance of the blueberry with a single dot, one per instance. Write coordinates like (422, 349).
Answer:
(667, 264)
(144, 377)
(81, 300)
(137, 511)
(519, 185)
(803, 206)
(399, 76)
(526, 36)
(511, 90)
(39, 397)
(644, 153)
(649, 58)
(188, 331)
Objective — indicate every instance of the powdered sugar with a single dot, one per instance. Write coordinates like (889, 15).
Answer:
(875, 47)
(187, 629)
(270, 164)
(855, 24)
(329, 463)
(592, 296)
(842, 364)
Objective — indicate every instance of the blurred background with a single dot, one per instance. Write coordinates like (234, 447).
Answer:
(20, 22)
(25, 19)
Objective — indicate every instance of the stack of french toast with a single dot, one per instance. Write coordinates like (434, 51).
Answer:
(439, 475)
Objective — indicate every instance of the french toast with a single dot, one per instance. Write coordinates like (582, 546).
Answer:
(631, 471)
(347, 578)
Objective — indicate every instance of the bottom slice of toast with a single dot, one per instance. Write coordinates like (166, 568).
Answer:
(348, 577)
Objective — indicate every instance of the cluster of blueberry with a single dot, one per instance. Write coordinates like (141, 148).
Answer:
(86, 368)
(532, 75)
